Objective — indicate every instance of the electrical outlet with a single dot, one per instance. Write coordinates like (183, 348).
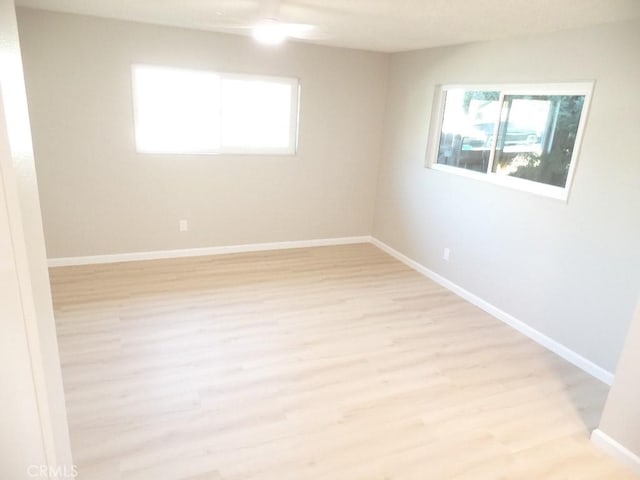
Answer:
(184, 225)
(446, 253)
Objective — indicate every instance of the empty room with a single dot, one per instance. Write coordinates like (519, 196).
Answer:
(319, 240)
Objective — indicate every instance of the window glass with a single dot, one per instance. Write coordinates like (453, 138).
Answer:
(537, 137)
(191, 112)
(255, 114)
(468, 125)
(176, 110)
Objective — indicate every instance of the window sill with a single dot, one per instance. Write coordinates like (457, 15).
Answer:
(528, 186)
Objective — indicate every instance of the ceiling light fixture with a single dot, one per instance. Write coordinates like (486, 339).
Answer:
(270, 32)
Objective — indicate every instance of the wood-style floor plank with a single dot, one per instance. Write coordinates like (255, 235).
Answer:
(333, 363)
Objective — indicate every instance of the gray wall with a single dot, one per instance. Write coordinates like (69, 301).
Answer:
(100, 197)
(571, 270)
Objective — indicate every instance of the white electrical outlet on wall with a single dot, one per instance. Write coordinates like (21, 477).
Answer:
(446, 253)
(184, 225)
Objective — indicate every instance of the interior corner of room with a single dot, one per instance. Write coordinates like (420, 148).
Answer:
(564, 272)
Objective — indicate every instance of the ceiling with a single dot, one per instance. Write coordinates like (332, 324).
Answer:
(380, 25)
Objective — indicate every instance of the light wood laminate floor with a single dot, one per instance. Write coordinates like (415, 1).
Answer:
(333, 363)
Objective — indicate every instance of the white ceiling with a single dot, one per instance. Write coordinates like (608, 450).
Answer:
(381, 25)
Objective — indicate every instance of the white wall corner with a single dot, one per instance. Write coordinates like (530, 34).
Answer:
(608, 445)
(535, 335)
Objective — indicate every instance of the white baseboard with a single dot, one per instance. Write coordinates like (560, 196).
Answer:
(198, 252)
(613, 448)
(535, 335)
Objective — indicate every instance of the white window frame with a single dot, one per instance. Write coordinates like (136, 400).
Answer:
(294, 119)
(437, 117)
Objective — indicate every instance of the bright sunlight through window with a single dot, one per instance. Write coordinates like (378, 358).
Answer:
(199, 112)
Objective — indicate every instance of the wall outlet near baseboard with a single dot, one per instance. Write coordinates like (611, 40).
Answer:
(446, 254)
(183, 225)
